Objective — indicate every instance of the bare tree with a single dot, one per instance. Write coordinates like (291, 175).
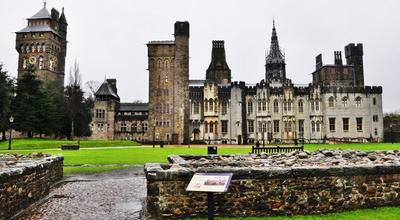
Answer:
(73, 95)
(91, 87)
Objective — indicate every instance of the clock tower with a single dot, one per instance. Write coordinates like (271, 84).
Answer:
(43, 45)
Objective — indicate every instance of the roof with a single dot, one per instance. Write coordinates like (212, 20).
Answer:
(133, 107)
(167, 42)
(106, 90)
(40, 28)
(42, 14)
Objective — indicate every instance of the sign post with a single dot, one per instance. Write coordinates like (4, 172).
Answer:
(210, 183)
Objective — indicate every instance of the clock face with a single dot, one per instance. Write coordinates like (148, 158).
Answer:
(32, 60)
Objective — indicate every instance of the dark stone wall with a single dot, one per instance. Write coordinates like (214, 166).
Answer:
(269, 192)
(20, 186)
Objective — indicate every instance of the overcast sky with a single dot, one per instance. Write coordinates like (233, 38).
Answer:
(109, 37)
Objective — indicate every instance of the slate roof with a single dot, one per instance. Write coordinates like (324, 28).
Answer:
(133, 107)
(106, 90)
(40, 28)
(42, 14)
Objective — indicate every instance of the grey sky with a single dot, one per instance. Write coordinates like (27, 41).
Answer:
(109, 37)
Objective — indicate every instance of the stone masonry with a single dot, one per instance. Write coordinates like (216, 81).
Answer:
(286, 184)
(26, 179)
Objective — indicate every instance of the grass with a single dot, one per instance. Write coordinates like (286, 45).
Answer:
(41, 143)
(385, 213)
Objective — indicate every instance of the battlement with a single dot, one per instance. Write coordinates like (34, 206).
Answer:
(218, 44)
(182, 28)
(353, 50)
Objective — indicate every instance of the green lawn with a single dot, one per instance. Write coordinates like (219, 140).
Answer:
(41, 143)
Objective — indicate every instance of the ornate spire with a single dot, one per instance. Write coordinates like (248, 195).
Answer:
(275, 60)
(274, 52)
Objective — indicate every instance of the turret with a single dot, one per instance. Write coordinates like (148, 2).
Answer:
(354, 56)
(218, 71)
(275, 70)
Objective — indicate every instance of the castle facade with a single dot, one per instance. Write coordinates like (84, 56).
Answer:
(335, 106)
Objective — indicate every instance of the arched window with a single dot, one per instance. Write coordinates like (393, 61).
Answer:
(264, 127)
(211, 105)
(276, 106)
(166, 65)
(159, 64)
(134, 127)
(301, 106)
(289, 106)
(259, 105)
(211, 128)
(33, 48)
(260, 126)
(38, 47)
(317, 105)
(22, 48)
(40, 62)
(318, 126)
(358, 102)
(196, 107)
(312, 105)
(331, 102)
(216, 106)
(250, 107)
(344, 100)
(205, 105)
(264, 105)
(313, 126)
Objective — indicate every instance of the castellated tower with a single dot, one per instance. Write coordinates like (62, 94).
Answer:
(169, 87)
(43, 45)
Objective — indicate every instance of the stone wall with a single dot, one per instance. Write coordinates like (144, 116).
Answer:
(291, 184)
(26, 179)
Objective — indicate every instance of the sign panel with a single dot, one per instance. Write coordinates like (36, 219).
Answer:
(209, 182)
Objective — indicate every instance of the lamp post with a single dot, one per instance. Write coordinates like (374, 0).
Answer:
(391, 133)
(11, 120)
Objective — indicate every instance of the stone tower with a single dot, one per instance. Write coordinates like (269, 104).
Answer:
(169, 87)
(275, 67)
(354, 56)
(43, 45)
(218, 71)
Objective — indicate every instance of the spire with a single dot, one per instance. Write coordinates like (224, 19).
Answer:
(275, 60)
(274, 52)
(44, 4)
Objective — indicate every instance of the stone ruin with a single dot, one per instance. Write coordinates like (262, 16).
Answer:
(24, 179)
(277, 184)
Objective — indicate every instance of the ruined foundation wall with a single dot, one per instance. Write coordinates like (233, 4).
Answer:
(25, 181)
(277, 191)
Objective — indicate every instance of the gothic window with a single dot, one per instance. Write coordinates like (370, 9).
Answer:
(216, 106)
(358, 102)
(331, 102)
(224, 126)
(28, 49)
(224, 108)
(284, 106)
(144, 127)
(250, 107)
(123, 127)
(260, 126)
(264, 127)
(134, 127)
(316, 105)
(206, 105)
(318, 126)
(276, 106)
(312, 105)
(38, 47)
(22, 48)
(100, 113)
(259, 105)
(205, 127)
(211, 128)
(166, 65)
(250, 126)
(264, 105)
(289, 106)
(313, 126)
(33, 48)
(359, 124)
(44, 47)
(345, 124)
(276, 126)
(196, 107)
(344, 100)
(159, 64)
(301, 127)
(332, 125)
(211, 105)
(301, 106)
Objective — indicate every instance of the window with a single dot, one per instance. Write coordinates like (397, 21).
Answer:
(358, 102)
(374, 101)
(285, 106)
(344, 100)
(206, 106)
(318, 126)
(301, 127)
(331, 102)
(317, 106)
(250, 126)
(345, 124)
(359, 124)
(264, 127)
(276, 126)
(196, 107)
(224, 126)
(288, 126)
(264, 105)
(313, 126)
(100, 127)
(216, 107)
(100, 113)
(211, 127)
(250, 107)
(375, 118)
(134, 127)
(301, 106)
(312, 106)
(376, 131)
(259, 105)
(224, 108)
(260, 126)
(123, 127)
(211, 105)
(276, 107)
(289, 106)
(144, 127)
(332, 126)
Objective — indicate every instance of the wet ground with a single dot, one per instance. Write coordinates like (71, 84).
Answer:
(110, 195)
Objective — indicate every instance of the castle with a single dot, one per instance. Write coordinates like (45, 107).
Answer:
(43, 45)
(336, 105)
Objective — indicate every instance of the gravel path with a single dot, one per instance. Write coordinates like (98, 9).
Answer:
(112, 195)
